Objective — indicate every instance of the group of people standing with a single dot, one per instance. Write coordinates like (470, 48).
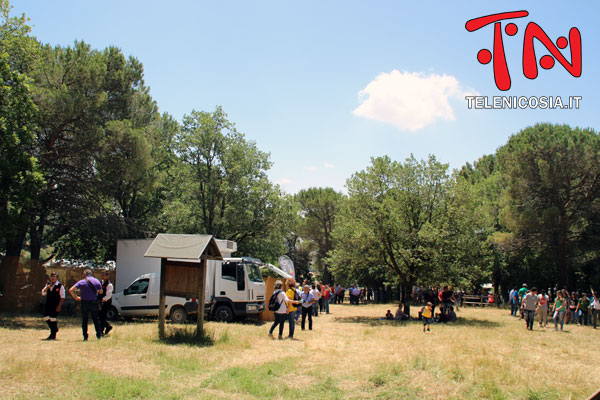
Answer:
(94, 296)
(574, 307)
(293, 302)
(356, 294)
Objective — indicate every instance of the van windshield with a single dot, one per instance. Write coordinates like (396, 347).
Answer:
(254, 273)
(137, 287)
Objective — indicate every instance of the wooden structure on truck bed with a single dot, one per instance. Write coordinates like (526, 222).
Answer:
(183, 261)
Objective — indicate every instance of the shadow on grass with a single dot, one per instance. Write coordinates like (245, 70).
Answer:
(252, 321)
(188, 337)
(192, 321)
(31, 321)
(373, 321)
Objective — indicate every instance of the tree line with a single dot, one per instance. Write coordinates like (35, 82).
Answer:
(87, 158)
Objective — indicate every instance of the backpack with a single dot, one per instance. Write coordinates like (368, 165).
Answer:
(273, 303)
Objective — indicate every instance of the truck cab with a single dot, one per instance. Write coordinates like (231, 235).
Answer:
(237, 288)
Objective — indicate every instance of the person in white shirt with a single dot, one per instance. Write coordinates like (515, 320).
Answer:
(542, 308)
(105, 300)
(356, 294)
(316, 295)
(595, 307)
(281, 312)
(55, 296)
(529, 305)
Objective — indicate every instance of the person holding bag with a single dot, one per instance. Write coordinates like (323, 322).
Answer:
(89, 288)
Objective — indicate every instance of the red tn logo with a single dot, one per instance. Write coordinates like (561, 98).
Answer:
(532, 31)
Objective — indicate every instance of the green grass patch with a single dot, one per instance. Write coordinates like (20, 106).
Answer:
(97, 385)
(271, 380)
(261, 381)
(541, 394)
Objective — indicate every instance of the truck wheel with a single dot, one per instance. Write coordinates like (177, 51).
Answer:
(111, 313)
(178, 315)
(223, 314)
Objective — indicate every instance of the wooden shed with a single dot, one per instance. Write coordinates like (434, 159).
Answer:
(180, 272)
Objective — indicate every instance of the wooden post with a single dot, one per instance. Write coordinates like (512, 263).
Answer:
(161, 298)
(201, 289)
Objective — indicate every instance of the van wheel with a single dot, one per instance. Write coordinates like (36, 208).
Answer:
(178, 315)
(223, 314)
(111, 314)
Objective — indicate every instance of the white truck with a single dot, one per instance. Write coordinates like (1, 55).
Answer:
(234, 286)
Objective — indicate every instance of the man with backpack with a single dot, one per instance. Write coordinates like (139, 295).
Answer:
(278, 303)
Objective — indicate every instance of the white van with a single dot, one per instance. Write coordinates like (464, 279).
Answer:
(140, 299)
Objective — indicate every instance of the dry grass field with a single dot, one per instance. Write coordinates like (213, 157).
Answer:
(350, 354)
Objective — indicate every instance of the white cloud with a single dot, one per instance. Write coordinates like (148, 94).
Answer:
(409, 100)
(328, 165)
(311, 168)
(284, 181)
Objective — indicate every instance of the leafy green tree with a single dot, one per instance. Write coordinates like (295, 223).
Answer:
(553, 193)
(393, 216)
(318, 209)
(19, 169)
(222, 188)
(95, 116)
(465, 257)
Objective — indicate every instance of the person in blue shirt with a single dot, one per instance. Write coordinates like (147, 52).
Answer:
(308, 300)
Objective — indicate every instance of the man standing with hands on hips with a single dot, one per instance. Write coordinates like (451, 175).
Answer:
(89, 288)
(55, 296)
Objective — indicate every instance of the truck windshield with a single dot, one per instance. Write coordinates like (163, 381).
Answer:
(254, 273)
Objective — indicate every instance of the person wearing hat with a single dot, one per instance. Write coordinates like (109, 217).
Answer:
(55, 296)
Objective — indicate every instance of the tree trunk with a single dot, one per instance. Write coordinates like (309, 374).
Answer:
(406, 292)
(327, 278)
(563, 267)
(37, 275)
(8, 271)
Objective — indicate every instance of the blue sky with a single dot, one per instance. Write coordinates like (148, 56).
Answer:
(289, 73)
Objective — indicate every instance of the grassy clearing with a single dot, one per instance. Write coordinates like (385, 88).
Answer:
(350, 354)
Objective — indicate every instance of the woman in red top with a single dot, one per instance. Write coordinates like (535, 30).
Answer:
(326, 295)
